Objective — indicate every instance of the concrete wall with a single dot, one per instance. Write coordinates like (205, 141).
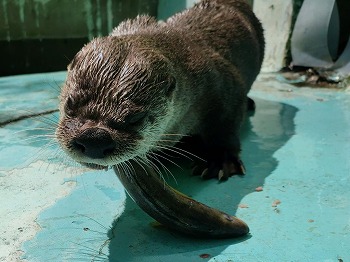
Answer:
(276, 18)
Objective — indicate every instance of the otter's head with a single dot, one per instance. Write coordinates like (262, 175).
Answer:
(115, 102)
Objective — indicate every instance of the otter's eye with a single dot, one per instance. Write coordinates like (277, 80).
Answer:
(135, 118)
(133, 121)
(171, 85)
(68, 107)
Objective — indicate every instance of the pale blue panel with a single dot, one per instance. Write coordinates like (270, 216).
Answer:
(296, 145)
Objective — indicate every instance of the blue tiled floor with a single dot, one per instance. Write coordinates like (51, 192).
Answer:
(296, 146)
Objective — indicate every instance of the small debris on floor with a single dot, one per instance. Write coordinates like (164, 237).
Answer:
(204, 256)
(259, 189)
(313, 77)
(276, 203)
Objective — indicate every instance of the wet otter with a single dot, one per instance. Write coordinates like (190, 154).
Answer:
(149, 83)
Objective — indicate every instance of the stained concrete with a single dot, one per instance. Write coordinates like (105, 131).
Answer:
(276, 19)
(296, 147)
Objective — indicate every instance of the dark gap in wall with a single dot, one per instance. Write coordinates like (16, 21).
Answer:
(34, 55)
(344, 21)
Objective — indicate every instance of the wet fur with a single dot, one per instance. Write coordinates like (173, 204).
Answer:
(190, 74)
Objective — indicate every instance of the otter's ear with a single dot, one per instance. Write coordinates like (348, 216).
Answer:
(171, 85)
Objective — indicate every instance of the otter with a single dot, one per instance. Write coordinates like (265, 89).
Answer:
(149, 84)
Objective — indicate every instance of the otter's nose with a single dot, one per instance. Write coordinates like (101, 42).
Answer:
(95, 143)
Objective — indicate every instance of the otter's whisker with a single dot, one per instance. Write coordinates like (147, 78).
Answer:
(117, 167)
(39, 153)
(25, 130)
(159, 150)
(37, 138)
(50, 121)
(167, 140)
(154, 166)
(176, 151)
(55, 86)
(185, 152)
(85, 250)
(127, 169)
(130, 167)
(167, 171)
(147, 162)
(94, 220)
(159, 154)
(154, 158)
(180, 135)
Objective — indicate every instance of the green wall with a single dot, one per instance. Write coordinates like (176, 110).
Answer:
(44, 35)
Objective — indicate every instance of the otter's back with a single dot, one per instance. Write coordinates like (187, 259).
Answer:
(227, 26)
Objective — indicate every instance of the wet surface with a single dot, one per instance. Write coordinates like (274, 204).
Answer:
(296, 147)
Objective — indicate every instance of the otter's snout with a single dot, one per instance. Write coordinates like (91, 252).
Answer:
(94, 142)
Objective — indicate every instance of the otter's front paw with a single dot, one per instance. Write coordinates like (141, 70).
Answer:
(221, 170)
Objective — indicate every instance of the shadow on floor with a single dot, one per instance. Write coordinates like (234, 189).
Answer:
(135, 236)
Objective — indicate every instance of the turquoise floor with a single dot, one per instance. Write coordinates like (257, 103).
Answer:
(296, 147)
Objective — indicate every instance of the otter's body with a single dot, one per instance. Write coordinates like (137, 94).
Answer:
(147, 84)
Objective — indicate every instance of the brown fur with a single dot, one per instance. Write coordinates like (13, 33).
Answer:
(189, 75)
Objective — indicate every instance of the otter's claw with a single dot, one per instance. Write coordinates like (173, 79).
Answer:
(228, 169)
(234, 167)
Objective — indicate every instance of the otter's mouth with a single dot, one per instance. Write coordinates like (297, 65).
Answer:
(94, 166)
